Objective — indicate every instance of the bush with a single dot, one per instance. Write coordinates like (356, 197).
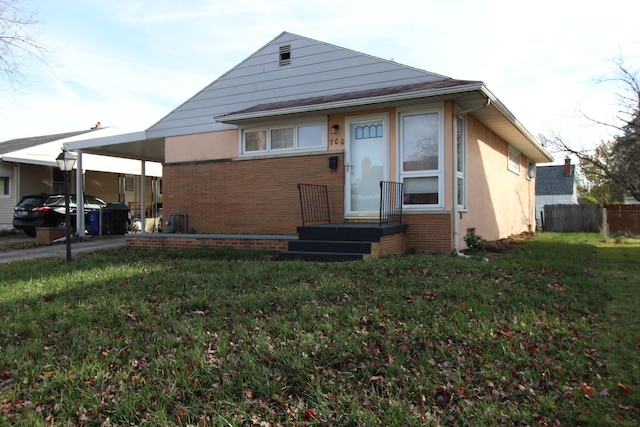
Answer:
(475, 242)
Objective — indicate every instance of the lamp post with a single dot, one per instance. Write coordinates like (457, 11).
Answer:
(66, 162)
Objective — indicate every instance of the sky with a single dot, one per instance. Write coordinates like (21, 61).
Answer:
(129, 63)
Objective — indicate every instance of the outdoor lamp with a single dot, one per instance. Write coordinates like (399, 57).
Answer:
(66, 161)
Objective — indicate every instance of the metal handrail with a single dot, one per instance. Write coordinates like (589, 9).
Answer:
(314, 203)
(391, 199)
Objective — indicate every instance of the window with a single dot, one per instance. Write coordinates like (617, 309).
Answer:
(5, 188)
(283, 139)
(514, 160)
(421, 157)
(461, 149)
(128, 183)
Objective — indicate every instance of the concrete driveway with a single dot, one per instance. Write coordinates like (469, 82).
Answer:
(56, 250)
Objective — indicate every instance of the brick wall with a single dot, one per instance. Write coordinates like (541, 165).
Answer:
(429, 232)
(253, 196)
(156, 241)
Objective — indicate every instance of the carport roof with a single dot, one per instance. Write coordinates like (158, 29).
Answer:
(129, 146)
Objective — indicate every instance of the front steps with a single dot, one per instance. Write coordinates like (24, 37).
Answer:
(347, 241)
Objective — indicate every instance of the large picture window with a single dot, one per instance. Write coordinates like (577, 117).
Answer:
(421, 157)
(283, 138)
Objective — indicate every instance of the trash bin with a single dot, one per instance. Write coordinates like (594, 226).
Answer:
(94, 222)
(118, 218)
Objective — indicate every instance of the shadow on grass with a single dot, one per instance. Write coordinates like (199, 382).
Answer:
(185, 338)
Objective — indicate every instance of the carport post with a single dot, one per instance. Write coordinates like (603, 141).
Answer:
(143, 179)
(80, 225)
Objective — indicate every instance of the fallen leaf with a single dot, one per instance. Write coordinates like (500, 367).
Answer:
(624, 389)
(587, 389)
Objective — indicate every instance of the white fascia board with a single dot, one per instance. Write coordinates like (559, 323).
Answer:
(95, 162)
(107, 140)
(516, 123)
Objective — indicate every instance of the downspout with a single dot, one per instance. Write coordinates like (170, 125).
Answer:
(456, 232)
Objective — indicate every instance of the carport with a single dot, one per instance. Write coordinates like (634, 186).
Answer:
(134, 146)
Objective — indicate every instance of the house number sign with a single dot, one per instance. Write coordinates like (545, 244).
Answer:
(336, 141)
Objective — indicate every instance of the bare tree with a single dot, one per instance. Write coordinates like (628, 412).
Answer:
(615, 163)
(19, 33)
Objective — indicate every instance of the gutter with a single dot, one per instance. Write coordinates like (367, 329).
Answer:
(456, 232)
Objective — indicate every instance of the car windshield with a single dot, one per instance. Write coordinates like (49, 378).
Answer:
(59, 200)
(90, 202)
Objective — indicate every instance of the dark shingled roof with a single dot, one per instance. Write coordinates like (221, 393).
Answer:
(351, 96)
(21, 143)
(551, 180)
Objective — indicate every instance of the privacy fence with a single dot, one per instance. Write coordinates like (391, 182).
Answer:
(623, 219)
(590, 218)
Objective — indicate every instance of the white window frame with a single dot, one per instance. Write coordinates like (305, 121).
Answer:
(268, 127)
(434, 173)
(6, 183)
(512, 165)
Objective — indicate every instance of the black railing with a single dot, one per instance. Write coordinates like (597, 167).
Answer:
(391, 198)
(314, 203)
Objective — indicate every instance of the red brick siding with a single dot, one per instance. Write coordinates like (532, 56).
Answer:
(152, 241)
(392, 245)
(429, 232)
(257, 196)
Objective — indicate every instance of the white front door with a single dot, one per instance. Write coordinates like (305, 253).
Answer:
(366, 165)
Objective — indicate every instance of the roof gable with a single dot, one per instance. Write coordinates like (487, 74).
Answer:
(551, 180)
(316, 69)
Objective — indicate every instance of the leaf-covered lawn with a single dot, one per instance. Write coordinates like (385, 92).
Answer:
(545, 334)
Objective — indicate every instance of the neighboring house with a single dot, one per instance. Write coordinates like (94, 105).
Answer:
(303, 111)
(555, 185)
(28, 166)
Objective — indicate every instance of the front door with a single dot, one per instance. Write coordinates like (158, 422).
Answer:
(366, 166)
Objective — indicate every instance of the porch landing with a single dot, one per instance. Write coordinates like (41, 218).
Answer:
(346, 241)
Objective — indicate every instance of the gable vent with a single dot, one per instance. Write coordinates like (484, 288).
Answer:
(285, 55)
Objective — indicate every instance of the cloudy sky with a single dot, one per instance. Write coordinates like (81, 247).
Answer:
(129, 63)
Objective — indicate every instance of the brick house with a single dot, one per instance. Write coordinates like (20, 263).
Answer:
(303, 111)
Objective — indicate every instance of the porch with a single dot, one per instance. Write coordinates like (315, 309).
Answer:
(346, 241)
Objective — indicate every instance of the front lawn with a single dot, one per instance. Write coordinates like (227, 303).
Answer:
(545, 334)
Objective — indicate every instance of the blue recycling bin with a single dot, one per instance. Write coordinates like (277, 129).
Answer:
(94, 222)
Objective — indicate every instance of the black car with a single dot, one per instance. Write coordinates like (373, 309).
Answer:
(51, 213)
(24, 216)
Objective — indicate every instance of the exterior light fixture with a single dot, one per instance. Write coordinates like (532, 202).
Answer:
(335, 128)
(66, 161)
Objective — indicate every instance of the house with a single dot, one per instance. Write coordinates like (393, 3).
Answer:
(28, 166)
(555, 185)
(300, 110)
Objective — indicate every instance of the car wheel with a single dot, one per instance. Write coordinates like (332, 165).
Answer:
(30, 232)
(63, 224)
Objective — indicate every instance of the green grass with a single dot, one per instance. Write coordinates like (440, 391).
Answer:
(546, 333)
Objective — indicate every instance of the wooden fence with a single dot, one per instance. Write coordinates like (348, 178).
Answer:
(589, 218)
(572, 218)
(623, 219)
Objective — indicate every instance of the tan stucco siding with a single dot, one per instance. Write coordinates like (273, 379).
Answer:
(202, 146)
(500, 202)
